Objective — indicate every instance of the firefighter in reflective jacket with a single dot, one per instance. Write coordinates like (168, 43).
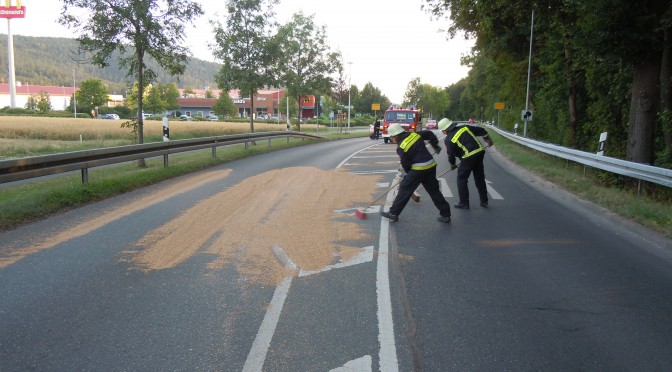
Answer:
(462, 142)
(420, 168)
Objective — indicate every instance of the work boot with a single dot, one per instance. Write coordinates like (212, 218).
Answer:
(390, 216)
(462, 205)
(444, 219)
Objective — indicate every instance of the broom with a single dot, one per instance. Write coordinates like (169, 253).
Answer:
(416, 197)
(359, 213)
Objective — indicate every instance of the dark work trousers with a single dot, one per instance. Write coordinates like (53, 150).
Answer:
(474, 164)
(411, 181)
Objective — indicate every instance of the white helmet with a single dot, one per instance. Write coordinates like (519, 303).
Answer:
(446, 124)
(395, 129)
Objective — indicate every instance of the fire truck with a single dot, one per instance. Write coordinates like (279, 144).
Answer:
(410, 119)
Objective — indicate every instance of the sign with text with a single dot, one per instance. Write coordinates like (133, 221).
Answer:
(499, 106)
(375, 106)
(9, 11)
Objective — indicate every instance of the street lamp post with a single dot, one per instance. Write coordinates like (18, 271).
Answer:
(74, 95)
(349, 86)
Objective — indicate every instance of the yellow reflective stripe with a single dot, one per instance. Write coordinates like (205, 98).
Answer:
(409, 141)
(456, 140)
(422, 166)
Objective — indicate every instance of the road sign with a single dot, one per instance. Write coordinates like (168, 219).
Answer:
(499, 106)
(526, 115)
(375, 106)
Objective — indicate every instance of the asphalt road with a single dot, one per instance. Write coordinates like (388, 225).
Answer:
(538, 281)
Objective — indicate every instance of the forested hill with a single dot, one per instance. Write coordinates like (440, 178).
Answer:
(50, 61)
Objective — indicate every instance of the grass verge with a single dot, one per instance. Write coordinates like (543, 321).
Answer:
(35, 200)
(615, 193)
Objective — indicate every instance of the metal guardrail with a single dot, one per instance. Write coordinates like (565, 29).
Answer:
(38, 166)
(642, 172)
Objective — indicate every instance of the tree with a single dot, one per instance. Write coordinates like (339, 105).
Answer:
(307, 64)
(43, 102)
(31, 103)
(224, 106)
(368, 96)
(92, 93)
(243, 47)
(136, 29)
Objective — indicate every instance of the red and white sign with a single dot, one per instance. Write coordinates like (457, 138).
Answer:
(12, 12)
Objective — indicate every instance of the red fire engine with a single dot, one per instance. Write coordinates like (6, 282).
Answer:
(410, 118)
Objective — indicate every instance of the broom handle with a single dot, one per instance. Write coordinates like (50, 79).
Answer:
(398, 182)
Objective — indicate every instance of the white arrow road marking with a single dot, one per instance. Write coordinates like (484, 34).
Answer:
(445, 190)
(494, 194)
(257, 355)
(362, 364)
(366, 255)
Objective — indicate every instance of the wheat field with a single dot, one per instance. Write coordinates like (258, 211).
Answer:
(22, 136)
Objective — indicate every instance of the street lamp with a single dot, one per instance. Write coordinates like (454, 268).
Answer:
(74, 95)
(349, 86)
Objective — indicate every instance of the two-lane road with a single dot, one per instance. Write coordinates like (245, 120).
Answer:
(261, 265)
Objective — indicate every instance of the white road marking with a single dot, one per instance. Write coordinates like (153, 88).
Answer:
(445, 190)
(376, 172)
(348, 158)
(388, 350)
(493, 194)
(366, 255)
(376, 156)
(257, 356)
(362, 364)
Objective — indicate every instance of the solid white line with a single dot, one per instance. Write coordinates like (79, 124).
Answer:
(257, 356)
(388, 349)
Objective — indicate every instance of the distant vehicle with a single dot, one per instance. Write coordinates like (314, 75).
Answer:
(110, 116)
(213, 118)
(431, 124)
(186, 118)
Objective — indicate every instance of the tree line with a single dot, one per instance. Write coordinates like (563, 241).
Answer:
(596, 66)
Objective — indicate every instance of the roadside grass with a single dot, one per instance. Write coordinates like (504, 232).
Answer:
(36, 200)
(616, 193)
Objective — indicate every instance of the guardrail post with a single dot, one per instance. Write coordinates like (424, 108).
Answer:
(245, 145)
(269, 142)
(85, 175)
(214, 151)
(165, 160)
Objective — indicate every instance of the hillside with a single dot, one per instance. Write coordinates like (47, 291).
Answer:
(50, 61)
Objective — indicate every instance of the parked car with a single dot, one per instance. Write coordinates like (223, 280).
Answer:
(110, 116)
(186, 118)
(213, 118)
(431, 124)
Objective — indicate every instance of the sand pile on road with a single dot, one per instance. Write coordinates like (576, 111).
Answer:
(292, 208)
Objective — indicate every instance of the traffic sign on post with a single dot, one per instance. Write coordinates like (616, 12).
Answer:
(526, 115)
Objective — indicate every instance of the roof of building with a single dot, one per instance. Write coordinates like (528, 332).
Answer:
(28, 89)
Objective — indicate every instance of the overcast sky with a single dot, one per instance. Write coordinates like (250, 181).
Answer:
(389, 42)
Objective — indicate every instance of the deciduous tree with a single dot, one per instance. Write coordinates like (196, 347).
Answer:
(243, 46)
(137, 29)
